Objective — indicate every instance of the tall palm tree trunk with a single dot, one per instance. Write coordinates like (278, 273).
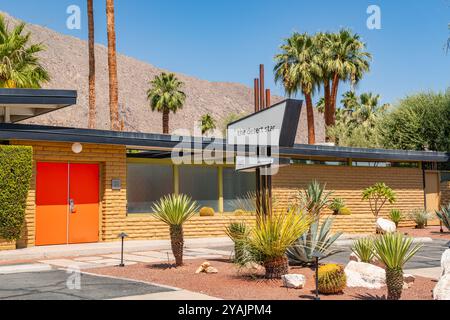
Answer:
(334, 93)
(394, 282)
(310, 115)
(327, 91)
(92, 107)
(165, 121)
(177, 242)
(112, 65)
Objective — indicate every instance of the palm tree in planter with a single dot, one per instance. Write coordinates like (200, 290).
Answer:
(174, 210)
(394, 250)
(269, 240)
(165, 96)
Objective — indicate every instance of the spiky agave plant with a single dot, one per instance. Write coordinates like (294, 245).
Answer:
(314, 199)
(444, 216)
(272, 236)
(175, 210)
(394, 250)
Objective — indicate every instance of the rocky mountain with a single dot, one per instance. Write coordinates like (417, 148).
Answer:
(66, 59)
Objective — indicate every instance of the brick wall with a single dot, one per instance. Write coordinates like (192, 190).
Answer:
(445, 193)
(348, 183)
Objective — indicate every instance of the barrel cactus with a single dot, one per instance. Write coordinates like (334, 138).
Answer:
(332, 279)
(206, 212)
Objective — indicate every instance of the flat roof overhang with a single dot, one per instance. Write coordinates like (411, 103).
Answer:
(149, 141)
(21, 104)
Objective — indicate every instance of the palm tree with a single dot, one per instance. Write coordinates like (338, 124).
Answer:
(19, 64)
(298, 69)
(112, 67)
(92, 107)
(348, 61)
(165, 95)
(175, 210)
(207, 123)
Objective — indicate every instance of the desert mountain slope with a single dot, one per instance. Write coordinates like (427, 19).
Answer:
(66, 59)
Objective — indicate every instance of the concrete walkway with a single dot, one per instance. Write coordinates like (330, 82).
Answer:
(105, 248)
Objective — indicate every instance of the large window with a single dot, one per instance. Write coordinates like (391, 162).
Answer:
(201, 183)
(236, 185)
(147, 183)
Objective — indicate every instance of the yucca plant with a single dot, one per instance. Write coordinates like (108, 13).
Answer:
(314, 199)
(175, 210)
(317, 239)
(272, 236)
(238, 232)
(444, 216)
(394, 250)
(420, 217)
(395, 216)
(364, 249)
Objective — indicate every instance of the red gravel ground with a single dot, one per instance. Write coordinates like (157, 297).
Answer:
(232, 284)
(432, 232)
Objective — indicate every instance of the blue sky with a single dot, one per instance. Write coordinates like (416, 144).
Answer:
(225, 40)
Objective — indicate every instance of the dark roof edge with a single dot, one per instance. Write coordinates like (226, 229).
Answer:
(63, 134)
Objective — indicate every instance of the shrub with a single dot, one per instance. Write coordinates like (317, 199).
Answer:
(420, 217)
(444, 216)
(238, 232)
(207, 212)
(395, 216)
(175, 210)
(363, 248)
(378, 195)
(394, 250)
(239, 213)
(268, 241)
(336, 205)
(345, 212)
(332, 279)
(16, 166)
(314, 199)
(314, 240)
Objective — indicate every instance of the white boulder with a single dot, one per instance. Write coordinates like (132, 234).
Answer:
(385, 226)
(442, 289)
(445, 262)
(409, 278)
(296, 281)
(365, 275)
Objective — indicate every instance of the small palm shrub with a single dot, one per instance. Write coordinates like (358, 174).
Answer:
(332, 279)
(336, 205)
(268, 241)
(175, 210)
(420, 217)
(345, 212)
(395, 216)
(364, 249)
(316, 239)
(238, 231)
(378, 195)
(394, 250)
(444, 216)
(207, 212)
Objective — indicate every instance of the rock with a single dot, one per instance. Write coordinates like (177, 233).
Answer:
(253, 266)
(296, 281)
(442, 289)
(354, 257)
(365, 275)
(445, 262)
(375, 261)
(409, 278)
(385, 226)
(211, 270)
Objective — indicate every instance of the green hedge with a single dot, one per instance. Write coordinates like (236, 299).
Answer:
(16, 165)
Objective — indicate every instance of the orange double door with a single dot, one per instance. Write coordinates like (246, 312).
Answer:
(67, 203)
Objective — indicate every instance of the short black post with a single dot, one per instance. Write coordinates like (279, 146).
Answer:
(317, 279)
(122, 236)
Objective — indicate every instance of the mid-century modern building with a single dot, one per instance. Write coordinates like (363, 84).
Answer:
(91, 185)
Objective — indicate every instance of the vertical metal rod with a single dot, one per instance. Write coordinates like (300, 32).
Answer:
(121, 256)
(261, 86)
(268, 98)
(317, 279)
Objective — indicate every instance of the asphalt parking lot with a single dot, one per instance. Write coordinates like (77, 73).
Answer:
(60, 285)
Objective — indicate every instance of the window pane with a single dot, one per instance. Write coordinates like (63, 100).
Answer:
(147, 183)
(201, 184)
(236, 185)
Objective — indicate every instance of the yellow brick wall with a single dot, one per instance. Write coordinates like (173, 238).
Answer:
(445, 193)
(348, 183)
